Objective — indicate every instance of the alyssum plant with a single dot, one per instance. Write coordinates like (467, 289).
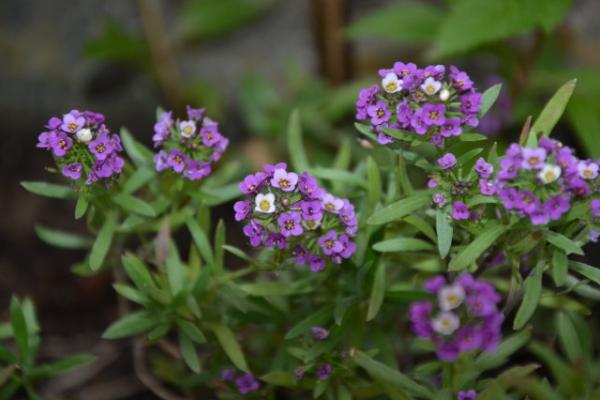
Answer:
(359, 284)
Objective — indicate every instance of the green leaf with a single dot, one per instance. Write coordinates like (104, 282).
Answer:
(61, 366)
(139, 154)
(201, 241)
(468, 156)
(339, 175)
(407, 23)
(401, 208)
(138, 179)
(472, 137)
(295, 144)
(188, 352)
(219, 250)
(421, 225)
(402, 244)
(559, 267)
(130, 325)
(191, 331)
(583, 116)
(230, 345)
(365, 130)
(103, 240)
(488, 99)
(388, 376)
(175, 270)
(531, 298)
(20, 331)
(588, 271)
(562, 242)
(48, 189)
(263, 289)
(62, 239)
(377, 292)
(279, 378)
(568, 338)
(553, 110)
(509, 346)
(130, 293)
(317, 318)
(133, 204)
(137, 271)
(374, 182)
(81, 206)
(481, 243)
(444, 230)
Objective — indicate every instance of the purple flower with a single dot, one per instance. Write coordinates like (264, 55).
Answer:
(539, 217)
(418, 123)
(508, 197)
(299, 374)
(255, 232)
(451, 127)
(276, 240)
(434, 284)
(332, 204)
(404, 114)
(324, 371)
(210, 136)
(470, 103)
(382, 138)
(252, 183)
(319, 333)
(459, 211)
(467, 395)
(434, 114)
(284, 180)
(242, 209)
(594, 235)
(227, 374)
(45, 140)
(102, 169)
(556, 206)
(101, 147)
(487, 188)
(330, 244)
(308, 186)
(72, 122)
(595, 207)
(194, 113)
(447, 351)
(72, 170)
(60, 144)
(447, 161)
(468, 338)
(197, 170)
(316, 263)
(116, 163)
(311, 210)
(483, 168)
(509, 168)
(439, 199)
(527, 202)
(419, 317)
(460, 79)
(177, 160)
(533, 158)
(290, 224)
(379, 113)
(160, 160)
(247, 383)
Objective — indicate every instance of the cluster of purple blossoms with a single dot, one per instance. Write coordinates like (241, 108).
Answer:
(540, 183)
(245, 382)
(429, 102)
(291, 213)
(464, 318)
(467, 395)
(83, 147)
(188, 147)
(454, 191)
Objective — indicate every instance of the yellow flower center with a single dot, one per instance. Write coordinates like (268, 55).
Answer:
(588, 174)
(430, 89)
(452, 299)
(188, 130)
(100, 148)
(391, 86)
(284, 183)
(289, 225)
(72, 126)
(533, 160)
(549, 175)
(380, 112)
(264, 205)
(329, 243)
(330, 206)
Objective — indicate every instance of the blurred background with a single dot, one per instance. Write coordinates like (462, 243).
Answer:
(249, 62)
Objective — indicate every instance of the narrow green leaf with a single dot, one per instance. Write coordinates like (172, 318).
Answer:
(264, 289)
(365, 130)
(388, 376)
(374, 182)
(48, 189)
(319, 317)
(201, 241)
(509, 346)
(133, 204)
(402, 244)
(563, 242)
(481, 243)
(219, 250)
(295, 144)
(62, 239)
(401, 208)
(61, 366)
(191, 331)
(230, 345)
(339, 175)
(553, 110)
(559, 267)
(531, 297)
(377, 292)
(130, 293)
(279, 378)
(19, 328)
(588, 271)
(188, 352)
(175, 270)
(103, 240)
(138, 179)
(444, 231)
(137, 271)
(488, 98)
(421, 225)
(81, 206)
(139, 154)
(472, 137)
(468, 156)
(568, 338)
(130, 325)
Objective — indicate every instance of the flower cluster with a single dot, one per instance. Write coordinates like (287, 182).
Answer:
(245, 382)
(464, 318)
(540, 183)
(83, 147)
(188, 147)
(453, 190)
(290, 212)
(429, 102)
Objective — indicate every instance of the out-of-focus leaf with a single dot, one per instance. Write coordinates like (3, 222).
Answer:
(138, 179)
(115, 44)
(339, 176)
(176, 273)
(62, 239)
(132, 324)
(319, 317)
(568, 338)
(559, 267)
(480, 244)
(444, 232)
(133, 204)
(139, 154)
(409, 22)
(506, 348)
(401, 245)
(588, 271)
(553, 110)
(219, 251)
(61, 366)
(562, 242)
(20, 331)
(137, 271)
(188, 352)
(374, 182)
(295, 143)
(48, 189)
(279, 378)
(103, 240)
(377, 292)
(531, 297)
(472, 23)
(488, 98)
(400, 208)
(584, 115)
(230, 345)
(81, 206)
(201, 241)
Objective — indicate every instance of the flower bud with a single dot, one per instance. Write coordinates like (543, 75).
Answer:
(84, 135)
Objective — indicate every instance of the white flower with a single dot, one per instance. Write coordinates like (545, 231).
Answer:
(431, 86)
(450, 297)
(84, 135)
(444, 94)
(332, 204)
(391, 83)
(549, 173)
(445, 323)
(265, 203)
(187, 128)
(587, 170)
